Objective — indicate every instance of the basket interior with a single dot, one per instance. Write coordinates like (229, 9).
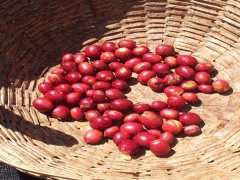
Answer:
(35, 34)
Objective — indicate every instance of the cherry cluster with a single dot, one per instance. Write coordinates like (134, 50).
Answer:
(91, 85)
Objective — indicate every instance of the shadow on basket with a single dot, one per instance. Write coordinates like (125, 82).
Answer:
(21, 130)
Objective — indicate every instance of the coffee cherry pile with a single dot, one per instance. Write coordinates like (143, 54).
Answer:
(91, 85)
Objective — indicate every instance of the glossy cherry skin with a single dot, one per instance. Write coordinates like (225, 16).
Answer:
(142, 66)
(93, 51)
(115, 65)
(44, 87)
(158, 105)
(87, 104)
(165, 50)
(191, 130)
(173, 90)
(56, 79)
(111, 131)
(101, 123)
(114, 94)
(169, 113)
(120, 136)
(103, 106)
(202, 78)
(143, 139)
(144, 76)
(57, 71)
(127, 43)
(167, 136)
(155, 132)
(69, 66)
(190, 98)
(159, 147)
(156, 83)
(204, 67)
(60, 112)
(176, 101)
(93, 136)
(172, 79)
(64, 88)
(123, 73)
(171, 61)
(80, 57)
(128, 147)
(131, 128)
(188, 85)
(131, 117)
(77, 113)
(114, 115)
(80, 88)
(101, 85)
(121, 104)
(186, 60)
(190, 118)
(92, 114)
(99, 96)
(108, 46)
(150, 120)
(123, 54)
(161, 69)
(141, 107)
(107, 57)
(68, 57)
(73, 98)
(105, 76)
(119, 84)
(99, 65)
(152, 58)
(140, 51)
(42, 104)
(73, 77)
(206, 88)
(55, 96)
(132, 62)
(185, 72)
(86, 68)
(89, 80)
(221, 86)
(172, 126)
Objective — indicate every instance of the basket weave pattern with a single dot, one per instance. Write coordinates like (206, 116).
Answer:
(35, 34)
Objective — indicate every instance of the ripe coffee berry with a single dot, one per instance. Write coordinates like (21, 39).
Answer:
(168, 113)
(44, 87)
(68, 57)
(176, 101)
(171, 61)
(93, 136)
(204, 67)
(185, 72)
(202, 78)
(144, 76)
(108, 46)
(150, 120)
(188, 85)
(140, 51)
(141, 107)
(128, 147)
(172, 126)
(190, 98)
(93, 51)
(42, 104)
(221, 86)
(186, 60)
(159, 147)
(156, 83)
(161, 69)
(190, 118)
(191, 130)
(165, 50)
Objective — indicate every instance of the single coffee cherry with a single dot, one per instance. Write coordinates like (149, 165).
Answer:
(188, 85)
(55, 96)
(140, 51)
(158, 105)
(123, 73)
(186, 60)
(77, 113)
(161, 69)
(190, 118)
(165, 50)
(221, 86)
(60, 112)
(171, 61)
(80, 88)
(86, 68)
(107, 57)
(127, 43)
(123, 53)
(156, 83)
(167, 136)
(191, 130)
(142, 66)
(56, 79)
(87, 104)
(101, 85)
(119, 84)
(80, 57)
(144, 76)
(190, 98)
(205, 88)
(152, 58)
(141, 107)
(101, 123)
(68, 57)
(128, 147)
(108, 46)
(114, 94)
(173, 90)
(64, 88)
(100, 65)
(44, 87)
(120, 136)
(131, 117)
(93, 136)
(93, 51)
(114, 115)
(73, 98)
(168, 113)
(150, 120)
(111, 131)
(68, 66)
(159, 147)
(42, 104)
(155, 132)
(73, 77)
(132, 62)
(202, 78)
(172, 79)
(172, 126)
(131, 128)
(121, 104)
(143, 139)
(92, 114)
(115, 65)
(176, 101)
(105, 76)
(185, 72)
(204, 67)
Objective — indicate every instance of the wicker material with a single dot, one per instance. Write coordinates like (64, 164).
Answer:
(35, 34)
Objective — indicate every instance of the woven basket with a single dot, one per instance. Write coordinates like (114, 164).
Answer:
(35, 34)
